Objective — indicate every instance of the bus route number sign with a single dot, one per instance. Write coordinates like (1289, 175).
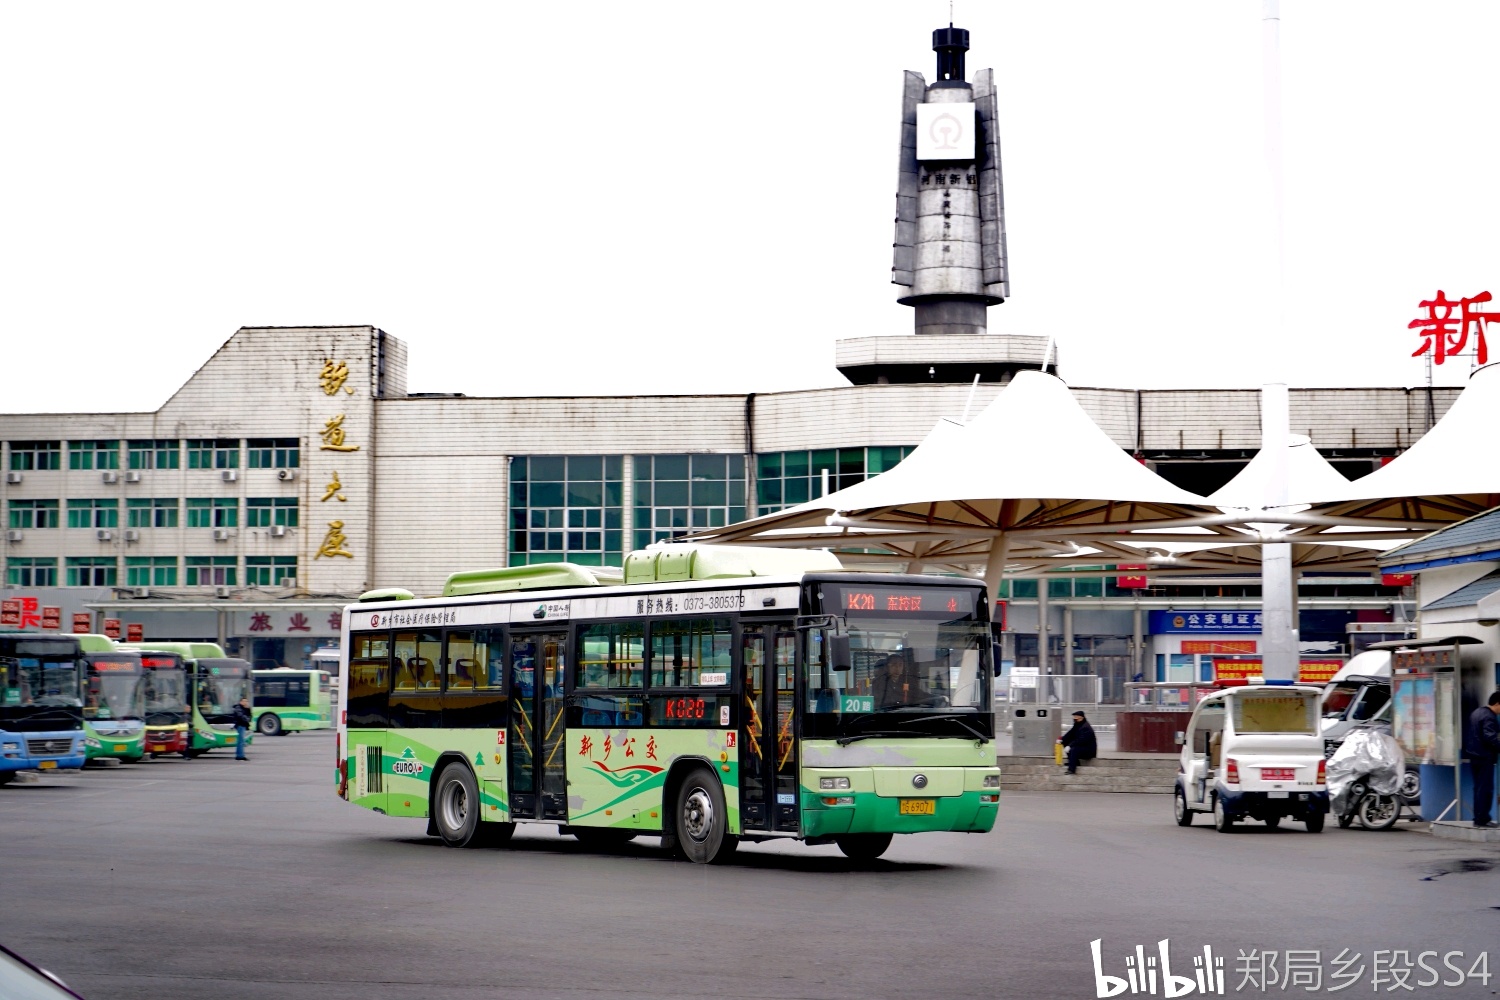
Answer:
(919, 602)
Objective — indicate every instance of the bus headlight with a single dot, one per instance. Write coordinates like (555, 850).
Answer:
(831, 784)
(991, 781)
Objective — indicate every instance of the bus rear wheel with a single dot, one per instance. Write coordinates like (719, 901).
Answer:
(455, 807)
(863, 846)
(269, 724)
(701, 819)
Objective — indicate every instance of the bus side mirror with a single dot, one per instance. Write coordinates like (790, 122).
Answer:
(838, 652)
(1179, 738)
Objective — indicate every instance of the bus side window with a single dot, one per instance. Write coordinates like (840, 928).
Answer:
(369, 679)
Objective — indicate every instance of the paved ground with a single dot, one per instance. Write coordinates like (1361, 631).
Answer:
(213, 878)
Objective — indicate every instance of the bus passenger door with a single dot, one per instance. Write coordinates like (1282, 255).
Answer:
(768, 758)
(538, 782)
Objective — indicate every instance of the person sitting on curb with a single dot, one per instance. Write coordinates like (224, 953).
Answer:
(1080, 742)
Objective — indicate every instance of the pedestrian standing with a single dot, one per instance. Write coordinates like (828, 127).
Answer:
(241, 727)
(1080, 742)
(1482, 747)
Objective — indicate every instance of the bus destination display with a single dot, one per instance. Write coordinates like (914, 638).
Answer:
(886, 602)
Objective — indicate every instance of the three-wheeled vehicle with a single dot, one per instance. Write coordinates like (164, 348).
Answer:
(1254, 751)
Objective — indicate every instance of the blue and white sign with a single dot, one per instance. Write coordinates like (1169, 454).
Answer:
(1204, 622)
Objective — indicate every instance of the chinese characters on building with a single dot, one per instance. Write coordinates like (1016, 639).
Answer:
(1445, 335)
(331, 379)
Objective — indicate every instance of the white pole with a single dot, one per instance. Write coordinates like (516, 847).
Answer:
(1280, 645)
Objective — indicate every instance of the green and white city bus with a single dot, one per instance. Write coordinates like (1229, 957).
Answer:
(291, 700)
(214, 685)
(114, 700)
(700, 700)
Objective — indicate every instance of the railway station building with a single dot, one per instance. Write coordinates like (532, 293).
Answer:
(295, 470)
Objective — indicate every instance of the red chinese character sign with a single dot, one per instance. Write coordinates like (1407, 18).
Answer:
(1132, 576)
(1445, 334)
(135, 633)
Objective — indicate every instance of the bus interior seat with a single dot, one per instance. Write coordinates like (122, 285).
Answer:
(463, 673)
(421, 672)
(629, 718)
(595, 717)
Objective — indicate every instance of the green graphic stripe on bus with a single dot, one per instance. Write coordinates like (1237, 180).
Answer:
(617, 777)
(130, 745)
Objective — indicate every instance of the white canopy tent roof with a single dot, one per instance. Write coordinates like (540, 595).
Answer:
(1448, 475)
(1031, 474)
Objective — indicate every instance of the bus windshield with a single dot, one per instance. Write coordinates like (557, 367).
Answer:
(165, 690)
(116, 687)
(222, 683)
(916, 655)
(41, 674)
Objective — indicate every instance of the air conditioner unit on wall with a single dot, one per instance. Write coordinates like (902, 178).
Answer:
(278, 530)
(286, 475)
(141, 592)
(133, 476)
(109, 478)
(229, 475)
(222, 534)
(104, 535)
(14, 536)
(221, 591)
(132, 535)
(14, 478)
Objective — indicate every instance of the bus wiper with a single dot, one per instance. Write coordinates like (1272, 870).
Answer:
(844, 741)
(950, 718)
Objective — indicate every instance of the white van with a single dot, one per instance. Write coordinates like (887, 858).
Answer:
(1255, 751)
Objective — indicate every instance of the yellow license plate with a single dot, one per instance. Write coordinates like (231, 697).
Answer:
(119, 748)
(917, 807)
(46, 764)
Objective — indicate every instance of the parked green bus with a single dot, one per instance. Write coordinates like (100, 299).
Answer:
(214, 685)
(717, 695)
(292, 700)
(114, 700)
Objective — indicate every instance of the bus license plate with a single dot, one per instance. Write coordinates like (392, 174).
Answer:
(917, 807)
(44, 765)
(119, 748)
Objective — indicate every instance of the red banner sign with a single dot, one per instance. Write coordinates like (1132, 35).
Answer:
(1395, 579)
(112, 627)
(135, 633)
(1131, 581)
(1309, 671)
(1219, 646)
(83, 622)
(51, 619)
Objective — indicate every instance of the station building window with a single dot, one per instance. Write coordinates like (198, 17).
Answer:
(93, 513)
(93, 571)
(271, 571)
(153, 453)
(38, 456)
(566, 508)
(273, 453)
(212, 571)
(151, 512)
(786, 478)
(93, 455)
(33, 514)
(30, 572)
(213, 512)
(213, 453)
(676, 494)
(262, 512)
(150, 571)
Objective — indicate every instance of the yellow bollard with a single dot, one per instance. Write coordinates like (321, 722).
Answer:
(1057, 753)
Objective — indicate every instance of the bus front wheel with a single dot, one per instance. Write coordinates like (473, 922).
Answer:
(863, 846)
(456, 806)
(701, 819)
(269, 724)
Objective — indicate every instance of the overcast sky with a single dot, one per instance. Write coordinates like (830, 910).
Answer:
(601, 197)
